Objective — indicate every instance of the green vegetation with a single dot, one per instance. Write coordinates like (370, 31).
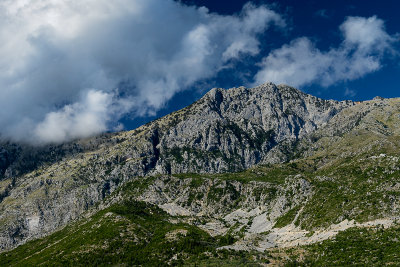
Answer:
(196, 182)
(132, 233)
(274, 174)
(287, 218)
(355, 246)
(352, 188)
(137, 186)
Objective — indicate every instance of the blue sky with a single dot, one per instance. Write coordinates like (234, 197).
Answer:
(72, 69)
(318, 20)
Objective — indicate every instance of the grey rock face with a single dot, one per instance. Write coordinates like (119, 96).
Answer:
(218, 198)
(42, 189)
(229, 130)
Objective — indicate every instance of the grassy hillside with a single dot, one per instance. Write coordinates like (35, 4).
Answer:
(356, 246)
(131, 233)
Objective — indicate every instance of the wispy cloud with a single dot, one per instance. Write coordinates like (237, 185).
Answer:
(349, 92)
(61, 61)
(323, 13)
(364, 46)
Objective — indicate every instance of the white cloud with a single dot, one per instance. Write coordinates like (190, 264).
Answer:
(300, 63)
(55, 56)
(79, 119)
(367, 34)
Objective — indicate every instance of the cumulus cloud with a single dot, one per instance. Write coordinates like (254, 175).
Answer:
(85, 118)
(62, 61)
(365, 43)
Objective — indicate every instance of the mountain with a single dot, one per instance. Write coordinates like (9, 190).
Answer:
(247, 170)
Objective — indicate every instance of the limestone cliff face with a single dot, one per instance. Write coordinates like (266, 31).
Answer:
(42, 189)
(229, 130)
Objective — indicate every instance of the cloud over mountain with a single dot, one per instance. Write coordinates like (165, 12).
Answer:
(71, 69)
(62, 61)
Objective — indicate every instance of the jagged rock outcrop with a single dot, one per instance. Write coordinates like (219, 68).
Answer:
(42, 189)
(229, 130)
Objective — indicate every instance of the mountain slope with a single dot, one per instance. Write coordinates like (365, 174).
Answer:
(43, 189)
(310, 169)
(133, 233)
(252, 211)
